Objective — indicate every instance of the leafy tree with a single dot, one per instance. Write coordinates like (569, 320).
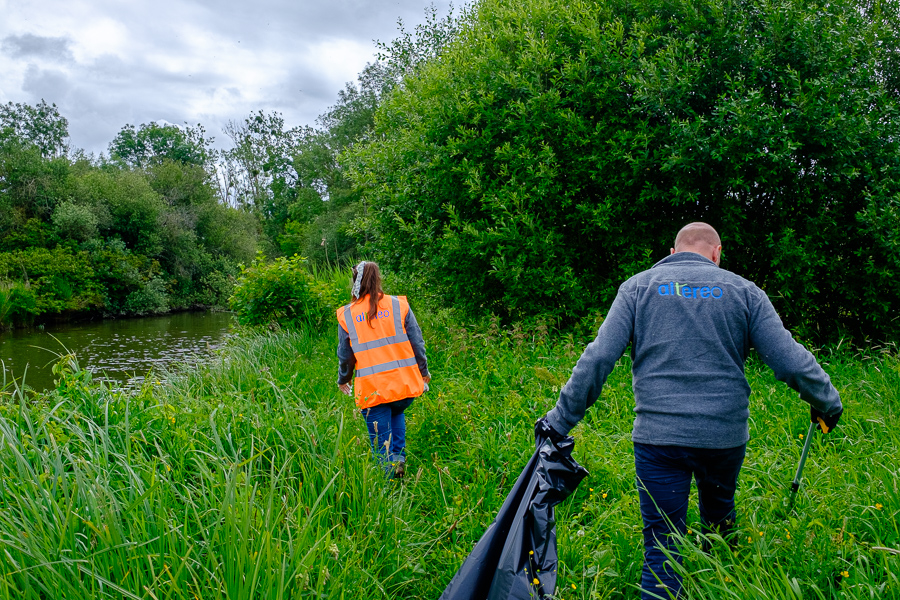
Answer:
(131, 210)
(403, 55)
(152, 143)
(262, 154)
(141, 234)
(258, 172)
(30, 187)
(74, 221)
(292, 178)
(41, 125)
(326, 201)
(551, 150)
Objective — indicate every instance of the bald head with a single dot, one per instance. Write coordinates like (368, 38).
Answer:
(700, 238)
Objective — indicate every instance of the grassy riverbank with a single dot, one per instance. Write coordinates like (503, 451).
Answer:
(251, 478)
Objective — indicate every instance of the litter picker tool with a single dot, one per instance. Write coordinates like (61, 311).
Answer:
(795, 485)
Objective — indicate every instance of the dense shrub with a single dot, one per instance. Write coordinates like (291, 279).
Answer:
(61, 280)
(285, 292)
(120, 272)
(555, 149)
(84, 235)
(18, 304)
(74, 221)
(148, 299)
(328, 238)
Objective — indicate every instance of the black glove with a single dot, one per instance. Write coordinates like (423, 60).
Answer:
(543, 431)
(826, 423)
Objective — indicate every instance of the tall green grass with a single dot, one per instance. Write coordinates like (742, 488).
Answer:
(251, 477)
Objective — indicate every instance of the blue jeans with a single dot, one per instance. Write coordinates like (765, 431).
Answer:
(664, 476)
(387, 430)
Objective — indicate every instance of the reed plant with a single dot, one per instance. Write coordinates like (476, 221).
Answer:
(251, 476)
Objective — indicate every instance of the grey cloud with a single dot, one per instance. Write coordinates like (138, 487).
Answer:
(99, 96)
(45, 83)
(35, 46)
(301, 86)
(263, 21)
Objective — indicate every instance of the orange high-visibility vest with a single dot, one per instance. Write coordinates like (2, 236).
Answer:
(386, 368)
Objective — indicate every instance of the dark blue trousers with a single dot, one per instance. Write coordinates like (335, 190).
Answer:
(387, 431)
(664, 476)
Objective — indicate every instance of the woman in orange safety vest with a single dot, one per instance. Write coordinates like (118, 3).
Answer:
(378, 337)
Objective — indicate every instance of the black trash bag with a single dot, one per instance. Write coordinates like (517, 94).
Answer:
(516, 557)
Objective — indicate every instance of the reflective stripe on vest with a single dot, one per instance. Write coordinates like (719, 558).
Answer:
(400, 335)
(388, 366)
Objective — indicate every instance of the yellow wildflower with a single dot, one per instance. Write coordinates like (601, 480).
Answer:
(604, 494)
(801, 436)
(845, 574)
(531, 552)
(574, 587)
(878, 506)
(536, 581)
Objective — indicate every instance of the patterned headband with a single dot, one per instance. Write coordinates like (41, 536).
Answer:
(358, 281)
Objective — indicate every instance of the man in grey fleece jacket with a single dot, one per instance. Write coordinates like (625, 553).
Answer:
(690, 325)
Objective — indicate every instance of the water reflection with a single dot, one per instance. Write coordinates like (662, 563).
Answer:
(122, 350)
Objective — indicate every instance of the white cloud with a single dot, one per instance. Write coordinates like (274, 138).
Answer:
(106, 63)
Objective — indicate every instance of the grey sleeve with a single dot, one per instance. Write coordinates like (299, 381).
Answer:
(595, 365)
(414, 333)
(792, 363)
(346, 358)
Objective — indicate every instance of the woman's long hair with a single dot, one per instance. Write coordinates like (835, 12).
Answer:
(371, 286)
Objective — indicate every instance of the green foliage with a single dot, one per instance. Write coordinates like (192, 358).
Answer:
(131, 209)
(327, 239)
(74, 221)
(131, 282)
(62, 280)
(258, 172)
(291, 177)
(551, 150)
(148, 299)
(250, 477)
(410, 50)
(18, 304)
(151, 143)
(31, 233)
(283, 292)
(30, 184)
(40, 125)
(117, 240)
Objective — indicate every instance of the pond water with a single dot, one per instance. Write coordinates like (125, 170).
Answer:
(121, 351)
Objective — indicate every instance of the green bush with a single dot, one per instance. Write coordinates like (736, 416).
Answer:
(554, 149)
(61, 279)
(121, 273)
(74, 221)
(151, 298)
(283, 291)
(328, 238)
(18, 304)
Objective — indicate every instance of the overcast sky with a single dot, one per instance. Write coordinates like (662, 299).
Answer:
(106, 63)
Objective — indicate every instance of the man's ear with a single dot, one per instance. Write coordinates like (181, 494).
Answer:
(671, 250)
(717, 254)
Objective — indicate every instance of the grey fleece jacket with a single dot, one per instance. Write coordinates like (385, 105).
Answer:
(691, 325)
(347, 360)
